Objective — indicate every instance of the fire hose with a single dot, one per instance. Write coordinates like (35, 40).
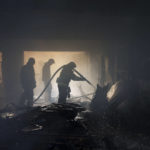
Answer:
(84, 78)
(54, 76)
(48, 84)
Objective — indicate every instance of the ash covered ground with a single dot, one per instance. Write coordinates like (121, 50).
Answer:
(120, 122)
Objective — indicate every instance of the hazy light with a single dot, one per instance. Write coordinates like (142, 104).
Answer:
(61, 57)
(7, 115)
(112, 91)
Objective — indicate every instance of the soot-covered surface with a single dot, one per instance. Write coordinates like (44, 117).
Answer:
(109, 125)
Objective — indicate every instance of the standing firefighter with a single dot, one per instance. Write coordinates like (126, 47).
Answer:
(28, 82)
(63, 80)
(46, 75)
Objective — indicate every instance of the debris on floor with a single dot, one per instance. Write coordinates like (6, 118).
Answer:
(120, 123)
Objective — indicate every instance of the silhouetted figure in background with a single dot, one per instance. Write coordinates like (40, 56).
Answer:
(64, 79)
(28, 82)
(46, 75)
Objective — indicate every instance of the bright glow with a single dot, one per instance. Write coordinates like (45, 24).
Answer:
(7, 115)
(112, 91)
(61, 57)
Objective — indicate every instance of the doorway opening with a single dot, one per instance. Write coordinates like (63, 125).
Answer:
(78, 88)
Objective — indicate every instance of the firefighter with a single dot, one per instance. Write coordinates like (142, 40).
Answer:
(46, 75)
(28, 82)
(66, 75)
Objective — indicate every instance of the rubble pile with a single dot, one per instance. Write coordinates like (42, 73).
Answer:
(51, 127)
(128, 106)
(119, 123)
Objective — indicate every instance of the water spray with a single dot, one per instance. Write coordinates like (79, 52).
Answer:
(84, 78)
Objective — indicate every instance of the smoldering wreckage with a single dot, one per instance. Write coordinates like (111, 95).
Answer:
(116, 118)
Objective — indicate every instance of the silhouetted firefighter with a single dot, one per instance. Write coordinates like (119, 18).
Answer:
(46, 75)
(28, 82)
(63, 80)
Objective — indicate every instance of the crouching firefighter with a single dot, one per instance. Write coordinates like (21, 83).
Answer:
(64, 79)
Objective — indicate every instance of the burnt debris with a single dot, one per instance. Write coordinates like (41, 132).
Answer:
(110, 124)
